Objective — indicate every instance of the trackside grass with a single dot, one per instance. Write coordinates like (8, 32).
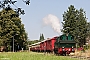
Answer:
(31, 56)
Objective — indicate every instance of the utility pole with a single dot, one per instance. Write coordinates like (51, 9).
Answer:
(13, 43)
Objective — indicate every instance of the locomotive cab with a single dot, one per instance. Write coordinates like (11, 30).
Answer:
(65, 44)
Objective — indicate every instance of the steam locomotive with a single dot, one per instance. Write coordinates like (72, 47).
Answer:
(63, 44)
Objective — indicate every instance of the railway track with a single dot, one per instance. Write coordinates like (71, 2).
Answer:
(80, 57)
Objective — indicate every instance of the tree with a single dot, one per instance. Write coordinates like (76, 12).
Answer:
(88, 32)
(8, 3)
(10, 25)
(88, 25)
(32, 41)
(82, 26)
(41, 37)
(74, 22)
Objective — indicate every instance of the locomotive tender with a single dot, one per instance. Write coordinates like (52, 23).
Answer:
(63, 44)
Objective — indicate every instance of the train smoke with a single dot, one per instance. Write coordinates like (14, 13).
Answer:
(52, 21)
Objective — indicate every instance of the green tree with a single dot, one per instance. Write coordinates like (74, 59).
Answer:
(32, 42)
(41, 37)
(74, 22)
(82, 26)
(10, 26)
(88, 25)
(88, 32)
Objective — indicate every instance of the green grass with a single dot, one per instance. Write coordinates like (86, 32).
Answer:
(31, 56)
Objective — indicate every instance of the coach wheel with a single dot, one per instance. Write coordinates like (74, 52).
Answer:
(55, 51)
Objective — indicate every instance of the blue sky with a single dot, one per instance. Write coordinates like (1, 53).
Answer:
(39, 9)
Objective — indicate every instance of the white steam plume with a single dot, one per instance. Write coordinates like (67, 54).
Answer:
(53, 21)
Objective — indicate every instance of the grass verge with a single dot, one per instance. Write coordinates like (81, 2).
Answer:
(31, 56)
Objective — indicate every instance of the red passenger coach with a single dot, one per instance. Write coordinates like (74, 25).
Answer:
(35, 47)
(42, 45)
(50, 44)
(47, 45)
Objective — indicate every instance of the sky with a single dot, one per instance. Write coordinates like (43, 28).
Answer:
(45, 16)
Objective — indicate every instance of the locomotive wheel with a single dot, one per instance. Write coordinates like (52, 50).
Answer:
(64, 53)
